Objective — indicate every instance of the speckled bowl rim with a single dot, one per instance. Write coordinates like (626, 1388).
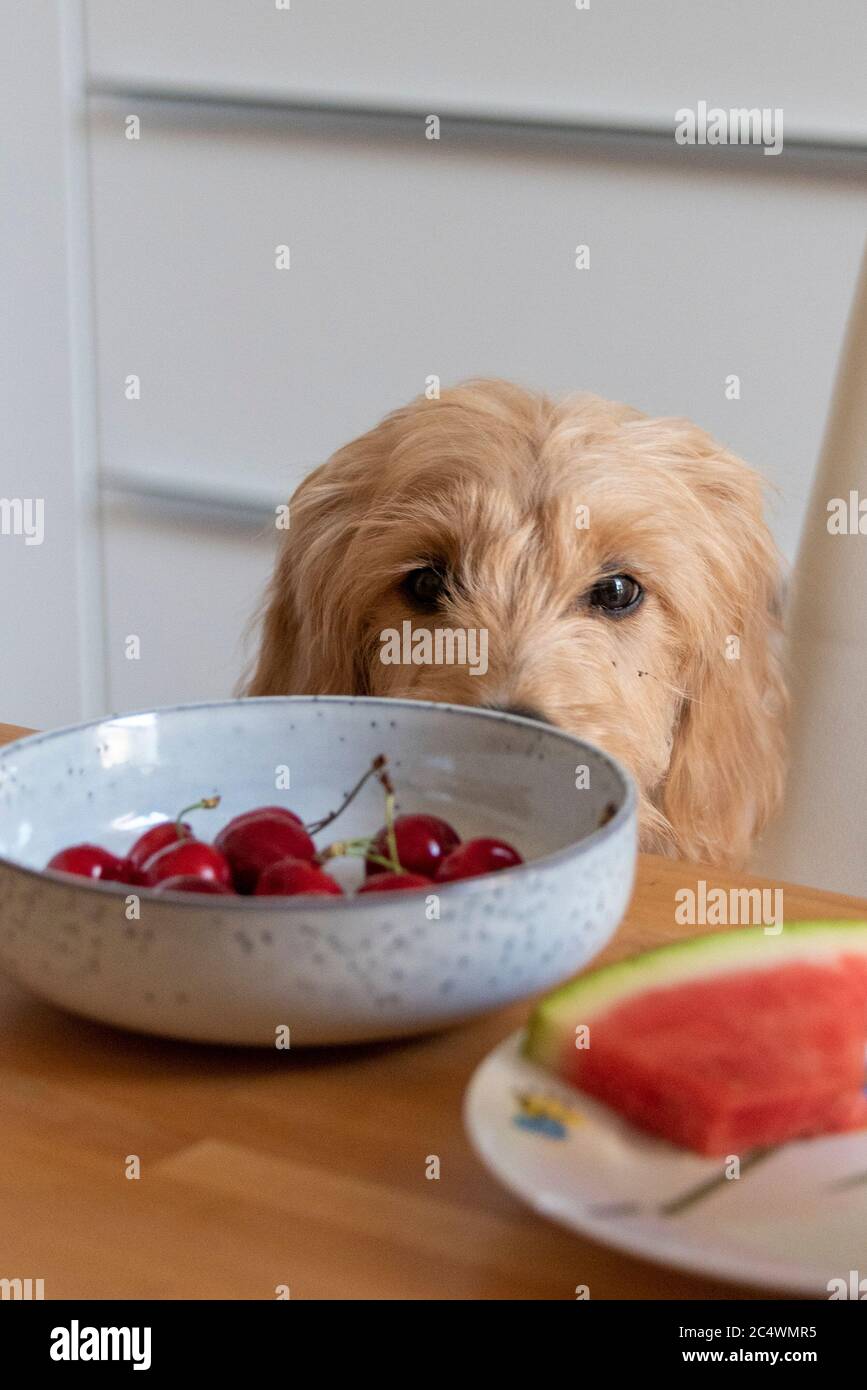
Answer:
(353, 901)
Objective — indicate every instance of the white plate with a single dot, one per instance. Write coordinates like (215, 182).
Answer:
(795, 1219)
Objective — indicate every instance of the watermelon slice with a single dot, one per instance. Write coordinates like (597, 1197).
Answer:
(724, 1042)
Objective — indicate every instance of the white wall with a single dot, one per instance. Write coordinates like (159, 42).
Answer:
(51, 667)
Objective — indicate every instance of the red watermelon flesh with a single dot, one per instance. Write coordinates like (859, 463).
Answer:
(725, 1063)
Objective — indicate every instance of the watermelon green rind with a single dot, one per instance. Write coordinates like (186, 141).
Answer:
(698, 958)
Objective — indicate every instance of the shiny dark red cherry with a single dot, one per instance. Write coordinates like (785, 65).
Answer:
(422, 843)
(474, 857)
(292, 878)
(393, 883)
(255, 840)
(192, 883)
(88, 861)
(168, 832)
(275, 812)
(188, 858)
(130, 874)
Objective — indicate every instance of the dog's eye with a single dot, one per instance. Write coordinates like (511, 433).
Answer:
(425, 587)
(616, 594)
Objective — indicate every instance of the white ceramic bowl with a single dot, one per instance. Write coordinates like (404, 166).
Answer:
(235, 970)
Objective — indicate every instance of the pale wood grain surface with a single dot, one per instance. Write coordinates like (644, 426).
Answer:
(298, 1168)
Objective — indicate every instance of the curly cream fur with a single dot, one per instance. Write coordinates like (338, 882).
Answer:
(488, 479)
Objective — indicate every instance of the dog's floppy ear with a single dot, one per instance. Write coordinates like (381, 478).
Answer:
(727, 764)
(308, 641)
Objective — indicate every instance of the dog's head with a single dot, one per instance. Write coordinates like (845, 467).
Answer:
(610, 573)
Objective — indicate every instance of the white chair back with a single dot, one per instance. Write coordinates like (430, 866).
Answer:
(821, 836)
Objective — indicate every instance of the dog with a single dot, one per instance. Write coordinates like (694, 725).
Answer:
(619, 567)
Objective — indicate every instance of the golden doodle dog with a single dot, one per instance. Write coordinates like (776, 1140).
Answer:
(616, 570)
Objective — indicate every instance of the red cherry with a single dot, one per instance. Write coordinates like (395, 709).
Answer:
(168, 832)
(295, 878)
(422, 844)
(476, 857)
(275, 812)
(189, 857)
(255, 840)
(191, 883)
(390, 883)
(130, 874)
(88, 861)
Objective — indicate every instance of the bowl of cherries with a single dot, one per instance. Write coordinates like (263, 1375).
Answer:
(342, 868)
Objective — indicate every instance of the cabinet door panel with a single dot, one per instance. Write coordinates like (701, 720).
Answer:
(631, 63)
(409, 259)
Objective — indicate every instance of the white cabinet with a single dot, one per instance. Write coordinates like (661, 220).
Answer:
(186, 590)
(410, 257)
(629, 63)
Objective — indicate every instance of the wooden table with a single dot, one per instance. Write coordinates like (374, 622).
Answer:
(298, 1168)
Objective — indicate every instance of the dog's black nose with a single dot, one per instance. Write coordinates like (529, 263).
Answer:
(525, 712)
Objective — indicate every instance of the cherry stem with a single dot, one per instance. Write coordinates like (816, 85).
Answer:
(356, 849)
(389, 832)
(207, 803)
(390, 836)
(375, 767)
